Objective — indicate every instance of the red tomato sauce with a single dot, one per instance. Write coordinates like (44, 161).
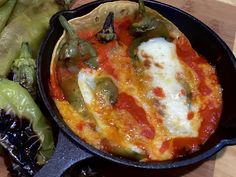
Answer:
(159, 92)
(122, 31)
(127, 102)
(210, 113)
(104, 62)
(165, 146)
(55, 91)
(189, 56)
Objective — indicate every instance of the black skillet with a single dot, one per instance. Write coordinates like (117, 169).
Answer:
(71, 149)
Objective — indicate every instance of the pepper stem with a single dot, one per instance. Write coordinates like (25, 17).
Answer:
(25, 50)
(67, 27)
(141, 7)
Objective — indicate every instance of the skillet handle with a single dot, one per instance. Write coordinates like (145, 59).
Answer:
(65, 155)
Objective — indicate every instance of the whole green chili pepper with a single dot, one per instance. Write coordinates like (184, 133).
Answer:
(23, 69)
(16, 99)
(70, 47)
(5, 12)
(108, 32)
(74, 46)
(31, 26)
(106, 88)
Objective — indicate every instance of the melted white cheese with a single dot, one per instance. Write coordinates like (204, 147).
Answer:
(163, 67)
(86, 82)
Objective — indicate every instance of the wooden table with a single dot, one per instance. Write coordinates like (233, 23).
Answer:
(220, 16)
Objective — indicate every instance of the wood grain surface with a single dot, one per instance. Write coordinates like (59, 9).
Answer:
(220, 15)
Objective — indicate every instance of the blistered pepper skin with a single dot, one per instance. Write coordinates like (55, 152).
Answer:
(16, 99)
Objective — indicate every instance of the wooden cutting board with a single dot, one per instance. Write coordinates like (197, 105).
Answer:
(220, 16)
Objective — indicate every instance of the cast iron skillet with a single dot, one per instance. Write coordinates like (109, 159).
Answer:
(71, 149)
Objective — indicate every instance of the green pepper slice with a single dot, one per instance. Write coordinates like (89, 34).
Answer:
(105, 87)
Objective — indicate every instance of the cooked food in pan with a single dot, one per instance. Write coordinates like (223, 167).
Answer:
(128, 82)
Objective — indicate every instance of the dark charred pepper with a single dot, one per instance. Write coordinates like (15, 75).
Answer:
(107, 33)
(24, 131)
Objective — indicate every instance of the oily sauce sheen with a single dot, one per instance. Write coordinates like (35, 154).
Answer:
(148, 121)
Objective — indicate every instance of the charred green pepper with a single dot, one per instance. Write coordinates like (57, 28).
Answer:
(145, 22)
(74, 96)
(134, 45)
(5, 12)
(23, 69)
(151, 25)
(74, 46)
(107, 33)
(147, 26)
(106, 88)
(15, 100)
(70, 47)
(20, 143)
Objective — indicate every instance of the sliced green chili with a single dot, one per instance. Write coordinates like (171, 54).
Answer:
(127, 152)
(133, 48)
(151, 25)
(106, 87)
(74, 96)
(146, 22)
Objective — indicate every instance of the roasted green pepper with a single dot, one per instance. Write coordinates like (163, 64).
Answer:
(128, 152)
(106, 88)
(74, 96)
(5, 12)
(108, 32)
(16, 100)
(144, 22)
(151, 25)
(23, 69)
(134, 45)
(147, 26)
(74, 46)
(30, 25)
